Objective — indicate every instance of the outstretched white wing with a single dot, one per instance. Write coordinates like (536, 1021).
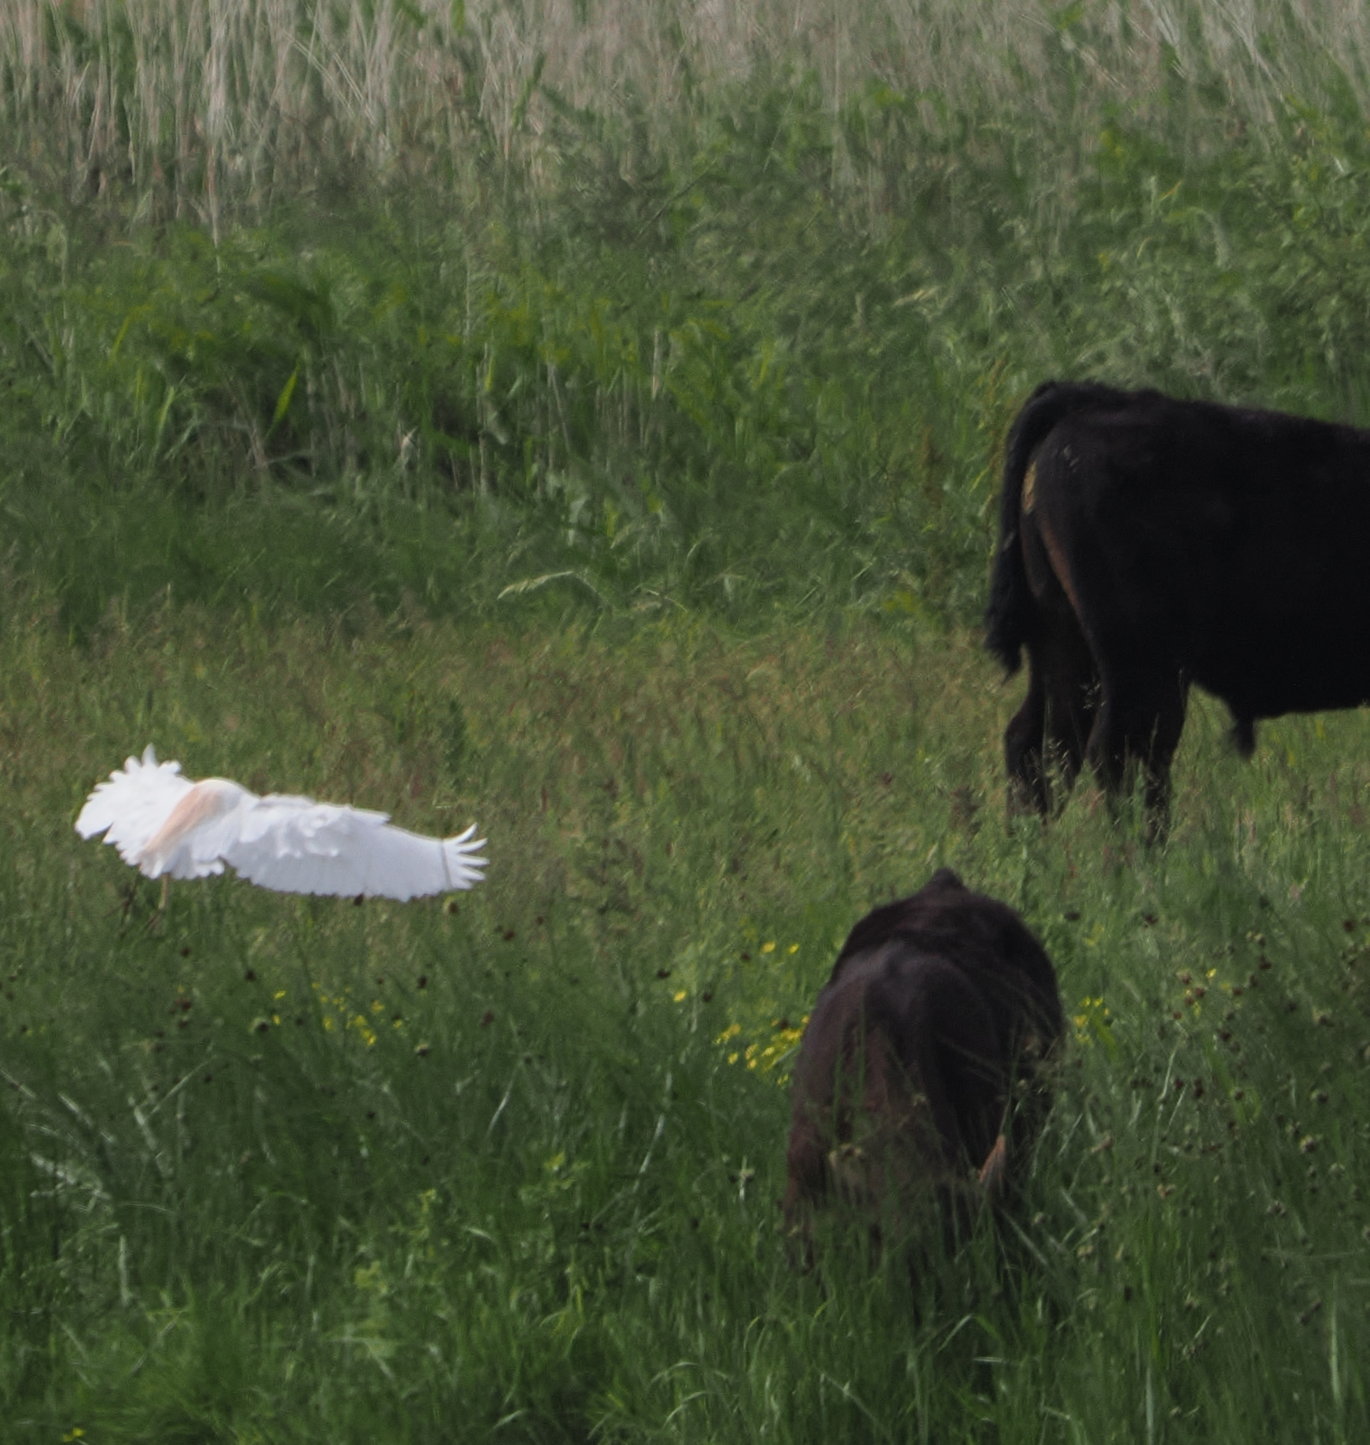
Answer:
(133, 804)
(296, 845)
(166, 824)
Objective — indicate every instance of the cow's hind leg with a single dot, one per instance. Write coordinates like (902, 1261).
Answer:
(1044, 743)
(1072, 690)
(1140, 718)
(1024, 751)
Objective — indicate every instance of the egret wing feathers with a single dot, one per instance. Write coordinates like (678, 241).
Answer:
(163, 823)
(298, 846)
(133, 803)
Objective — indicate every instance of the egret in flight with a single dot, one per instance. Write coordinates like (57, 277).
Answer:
(172, 827)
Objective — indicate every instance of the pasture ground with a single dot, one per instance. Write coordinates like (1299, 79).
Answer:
(281, 1169)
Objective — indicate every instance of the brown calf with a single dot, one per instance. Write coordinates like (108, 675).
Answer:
(918, 1090)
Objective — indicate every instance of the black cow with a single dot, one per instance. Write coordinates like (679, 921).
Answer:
(1146, 544)
(920, 1067)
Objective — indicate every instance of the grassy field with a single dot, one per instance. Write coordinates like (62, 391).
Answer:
(280, 1169)
(583, 419)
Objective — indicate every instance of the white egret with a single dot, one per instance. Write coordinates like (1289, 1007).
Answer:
(172, 827)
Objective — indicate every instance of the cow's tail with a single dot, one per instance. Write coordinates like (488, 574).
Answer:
(1010, 603)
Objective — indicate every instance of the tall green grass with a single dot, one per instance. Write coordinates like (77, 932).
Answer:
(537, 309)
(279, 1168)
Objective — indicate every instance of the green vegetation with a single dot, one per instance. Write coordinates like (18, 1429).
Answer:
(583, 418)
(606, 305)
